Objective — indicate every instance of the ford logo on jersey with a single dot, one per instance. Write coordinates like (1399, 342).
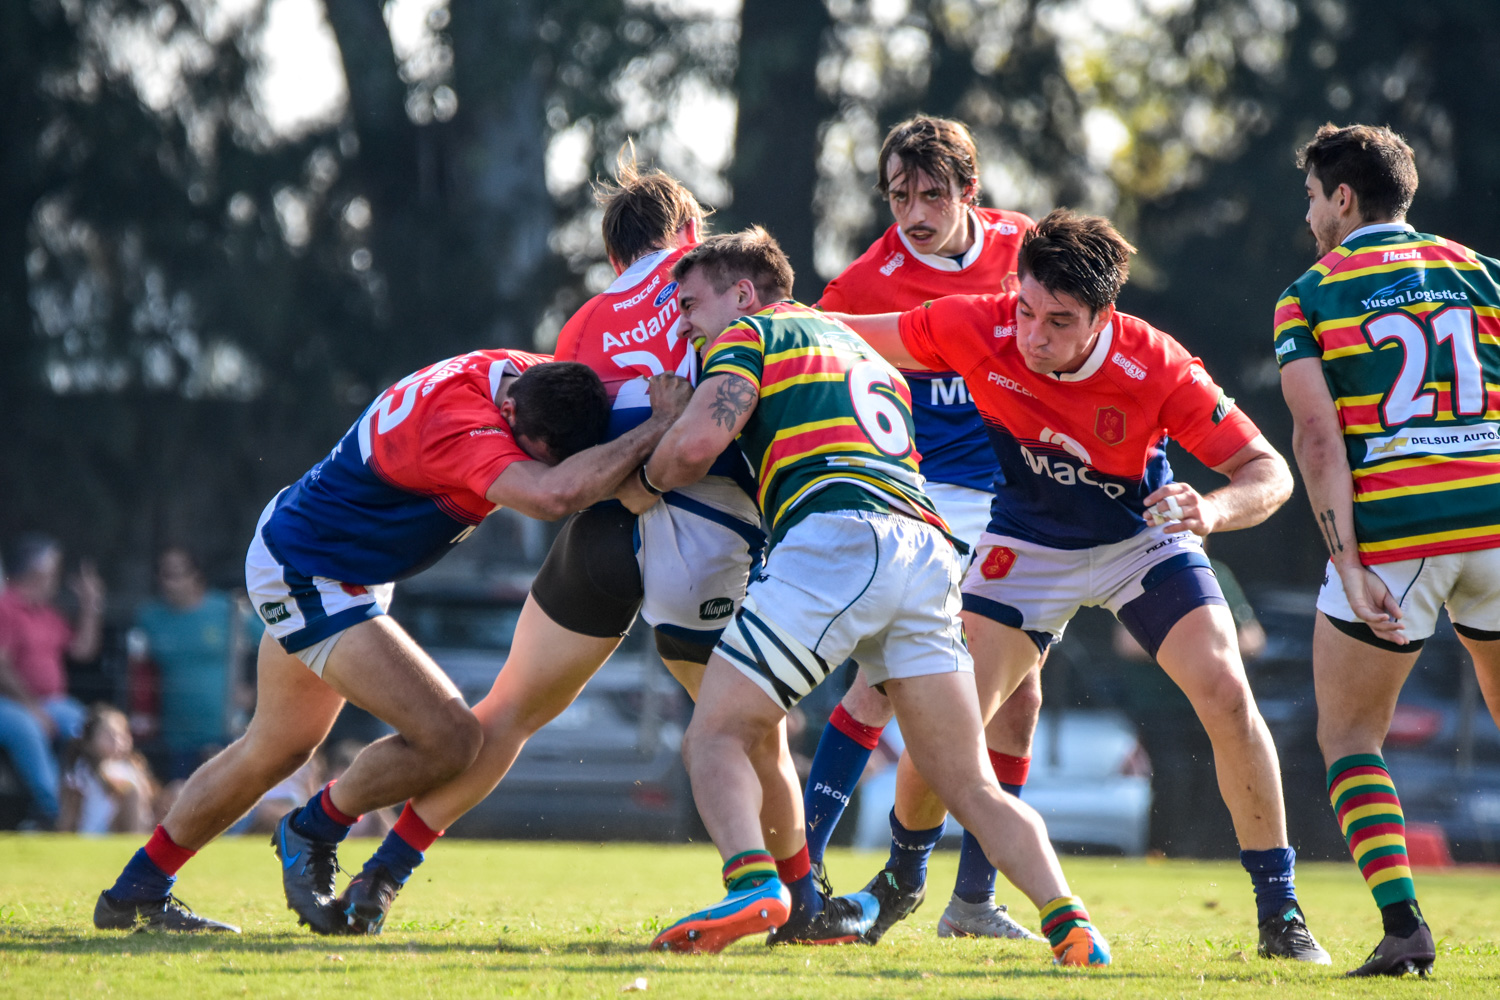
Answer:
(666, 293)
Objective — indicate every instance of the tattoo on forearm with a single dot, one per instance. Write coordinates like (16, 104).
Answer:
(734, 399)
(1330, 532)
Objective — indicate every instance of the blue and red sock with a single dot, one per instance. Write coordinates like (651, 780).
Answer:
(843, 751)
(795, 873)
(321, 820)
(151, 871)
(976, 876)
(405, 846)
(1271, 873)
(910, 850)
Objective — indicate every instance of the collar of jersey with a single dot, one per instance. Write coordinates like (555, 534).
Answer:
(1378, 227)
(1096, 357)
(636, 273)
(498, 370)
(940, 263)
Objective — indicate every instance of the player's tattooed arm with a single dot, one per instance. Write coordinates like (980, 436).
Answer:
(732, 401)
(717, 413)
(1329, 524)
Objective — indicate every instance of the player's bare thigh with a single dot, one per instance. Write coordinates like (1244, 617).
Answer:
(1356, 686)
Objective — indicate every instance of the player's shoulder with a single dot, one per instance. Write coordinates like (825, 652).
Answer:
(1004, 221)
(1146, 357)
(879, 260)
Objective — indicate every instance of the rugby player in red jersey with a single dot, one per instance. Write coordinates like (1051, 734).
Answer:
(942, 243)
(697, 548)
(1396, 449)
(1079, 399)
(428, 460)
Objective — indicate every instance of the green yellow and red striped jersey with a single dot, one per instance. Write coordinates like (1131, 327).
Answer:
(832, 428)
(1407, 326)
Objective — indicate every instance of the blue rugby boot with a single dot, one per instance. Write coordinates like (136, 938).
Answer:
(308, 870)
(741, 913)
(842, 920)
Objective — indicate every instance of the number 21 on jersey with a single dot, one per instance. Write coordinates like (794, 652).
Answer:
(1408, 398)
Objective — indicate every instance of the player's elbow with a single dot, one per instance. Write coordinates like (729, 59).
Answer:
(1278, 481)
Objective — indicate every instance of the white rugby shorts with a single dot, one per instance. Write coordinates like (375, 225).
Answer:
(696, 550)
(1467, 583)
(880, 587)
(1039, 589)
(307, 615)
(966, 510)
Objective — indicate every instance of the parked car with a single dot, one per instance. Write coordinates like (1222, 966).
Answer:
(1090, 779)
(609, 767)
(1443, 749)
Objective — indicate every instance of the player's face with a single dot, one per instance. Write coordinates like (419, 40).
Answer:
(706, 311)
(933, 215)
(1055, 332)
(1324, 214)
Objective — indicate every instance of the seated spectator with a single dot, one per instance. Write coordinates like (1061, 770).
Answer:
(195, 638)
(35, 641)
(108, 788)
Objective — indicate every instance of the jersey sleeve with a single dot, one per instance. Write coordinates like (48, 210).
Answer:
(948, 334)
(834, 299)
(739, 350)
(570, 338)
(1203, 419)
(467, 446)
(1293, 337)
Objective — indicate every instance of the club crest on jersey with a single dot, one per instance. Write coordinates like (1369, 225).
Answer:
(998, 563)
(1109, 425)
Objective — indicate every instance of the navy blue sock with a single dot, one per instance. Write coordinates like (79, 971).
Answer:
(836, 768)
(1271, 874)
(141, 880)
(313, 821)
(399, 857)
(910, 850)
(1012, 789)
(976, 876)
(806, 900)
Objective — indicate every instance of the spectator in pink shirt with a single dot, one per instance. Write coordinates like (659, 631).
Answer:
(35, 642)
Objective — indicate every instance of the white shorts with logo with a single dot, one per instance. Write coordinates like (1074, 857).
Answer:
(1039, 589)
(966, 510)
(880, 587)
(1467, 583)
(307, 615)
(697, 549)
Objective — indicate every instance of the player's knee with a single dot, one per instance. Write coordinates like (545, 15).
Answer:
(1024, 703)
(1223, 698)
(868, 706)
(457, 741)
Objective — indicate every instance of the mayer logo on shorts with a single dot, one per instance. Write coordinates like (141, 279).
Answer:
(997, 563)
(274, 611)
(716, 608)
(1109, 425)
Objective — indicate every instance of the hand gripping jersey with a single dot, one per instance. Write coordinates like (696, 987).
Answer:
(1407, 326)
(833, 427)
(409, 478)
(893, 277)
(629, 332)
(1078, 452)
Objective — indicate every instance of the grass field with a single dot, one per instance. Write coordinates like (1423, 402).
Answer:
(484, 919)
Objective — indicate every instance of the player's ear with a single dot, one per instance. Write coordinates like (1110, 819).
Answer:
(508, 411)
(1101, 320)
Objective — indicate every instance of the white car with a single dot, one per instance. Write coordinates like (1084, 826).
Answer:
(1090, 779)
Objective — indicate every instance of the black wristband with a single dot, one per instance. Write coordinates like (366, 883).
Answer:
(647, 483)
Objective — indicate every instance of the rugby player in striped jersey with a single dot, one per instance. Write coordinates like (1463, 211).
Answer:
(1389, 349)
(861, 564)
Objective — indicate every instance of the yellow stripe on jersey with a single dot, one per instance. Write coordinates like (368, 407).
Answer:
(1431, 538)
(1442, 487)
(787, 383)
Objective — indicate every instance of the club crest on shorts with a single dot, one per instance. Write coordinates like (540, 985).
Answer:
(1109, 424)
(997, 563)
(353, 589)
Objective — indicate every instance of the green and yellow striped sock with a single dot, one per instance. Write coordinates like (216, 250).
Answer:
(747, 869)
(1369, 813)
(1061, 915)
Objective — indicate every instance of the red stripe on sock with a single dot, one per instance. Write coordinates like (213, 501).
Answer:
(797, 866)
(1009, 769)
(410, 828)
(866, 736)
(166, 853)
(333, 811)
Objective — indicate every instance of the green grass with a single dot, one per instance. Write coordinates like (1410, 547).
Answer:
(572, 920)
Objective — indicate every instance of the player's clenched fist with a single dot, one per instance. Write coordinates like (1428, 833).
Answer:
(669, 395)
(1182, 508)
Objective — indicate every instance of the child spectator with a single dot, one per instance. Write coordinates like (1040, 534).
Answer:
(108, 788)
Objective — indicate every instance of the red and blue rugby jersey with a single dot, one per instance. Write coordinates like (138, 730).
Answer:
(628, 332)
(892, 277)
(408, 480)
(1078, 452)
